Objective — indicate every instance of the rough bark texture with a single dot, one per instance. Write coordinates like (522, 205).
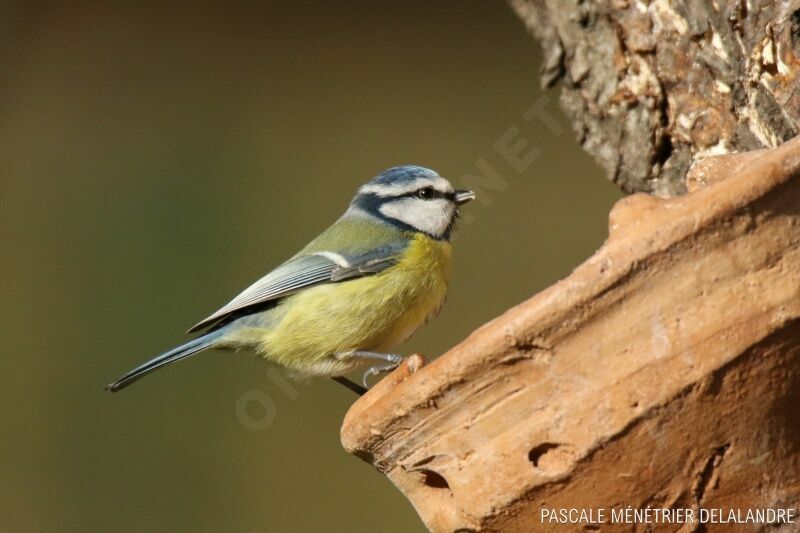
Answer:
(664, 371)
(653, 86)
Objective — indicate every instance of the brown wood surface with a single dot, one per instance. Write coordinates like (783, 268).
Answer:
(664, 371)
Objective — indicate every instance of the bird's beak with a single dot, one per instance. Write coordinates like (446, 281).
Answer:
(464, 196)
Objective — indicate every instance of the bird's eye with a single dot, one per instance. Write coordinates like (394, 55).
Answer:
(426, 194)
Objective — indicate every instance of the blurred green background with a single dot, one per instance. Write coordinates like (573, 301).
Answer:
(156, 158)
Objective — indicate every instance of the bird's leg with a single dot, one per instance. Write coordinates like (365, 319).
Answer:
(355, 387)
(392, 362)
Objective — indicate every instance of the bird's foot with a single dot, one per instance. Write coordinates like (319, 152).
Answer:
(391, 361)
(378, 369)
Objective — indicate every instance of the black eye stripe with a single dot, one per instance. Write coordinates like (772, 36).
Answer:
(434, 194)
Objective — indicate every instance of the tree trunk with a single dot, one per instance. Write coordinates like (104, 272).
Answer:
(654, 86)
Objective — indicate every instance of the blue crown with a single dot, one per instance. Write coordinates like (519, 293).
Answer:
(402, 174)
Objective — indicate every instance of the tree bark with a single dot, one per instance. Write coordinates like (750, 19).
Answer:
(653, 86)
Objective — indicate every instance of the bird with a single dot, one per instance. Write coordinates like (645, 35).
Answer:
(355, 292)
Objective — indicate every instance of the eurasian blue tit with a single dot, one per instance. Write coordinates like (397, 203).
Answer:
(359, 289)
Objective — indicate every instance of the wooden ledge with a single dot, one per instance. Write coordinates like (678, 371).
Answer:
(664, 371)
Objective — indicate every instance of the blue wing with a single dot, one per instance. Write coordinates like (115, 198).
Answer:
(305, 271)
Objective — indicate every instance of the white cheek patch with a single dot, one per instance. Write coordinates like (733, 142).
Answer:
(431, 216)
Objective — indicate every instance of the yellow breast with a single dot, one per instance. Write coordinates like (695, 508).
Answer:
(425, 270)
(371, 313)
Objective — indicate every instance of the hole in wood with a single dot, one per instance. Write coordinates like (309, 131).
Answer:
(538, 452)
(552, 458)
(434, 479)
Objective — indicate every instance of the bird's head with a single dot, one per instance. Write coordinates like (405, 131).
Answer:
(412, 198)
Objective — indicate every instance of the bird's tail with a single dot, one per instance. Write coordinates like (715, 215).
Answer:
(183, 351)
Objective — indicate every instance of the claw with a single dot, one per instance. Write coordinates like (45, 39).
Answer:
(371, 371)
(377, 369)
